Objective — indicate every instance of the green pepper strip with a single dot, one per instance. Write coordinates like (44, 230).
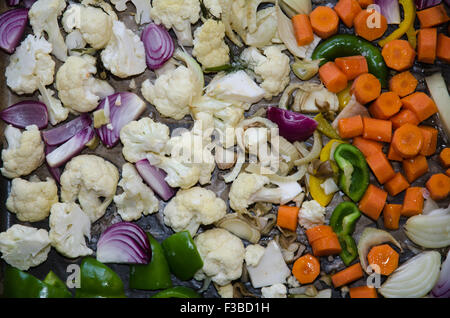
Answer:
(177, 292)
(325, 127)
(354, 172)
(98, 281)
(156, 274)
(182, 255)
(348, 45)
(409, 12)
(18, 284)
(349, 249)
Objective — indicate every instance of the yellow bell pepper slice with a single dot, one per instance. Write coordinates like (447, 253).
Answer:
(344, 96)
(317, 192)
(326, 150)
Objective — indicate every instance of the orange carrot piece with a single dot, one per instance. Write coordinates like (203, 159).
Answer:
(426, 45)
(377, 129)
(365, 3)
(306, 269)
(348, 275)
(420, 104)
(332, 77)
(439, 186)
(362, 26)
(398, 55)
(385, 106)
(328, 245)
(318, 232)
(415, 167)
(381, 167)
(385, 257)
(407, 140)
(405, 116)
(363, 292)
(347, 11)
(352, 66)
(444, 157)
(366, 88)
(373, 201)
(393, 155)
(350, 127)
(430, 136)
(302, 29)
(324, 21)
(443, 48)
(367, 146)
(403, 83)
(287, 217)
(391, 216)
(413, 201)
(447, 172)
(396, 184)
(433, 16)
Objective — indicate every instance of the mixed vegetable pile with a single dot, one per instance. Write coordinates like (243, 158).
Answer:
(347, 136)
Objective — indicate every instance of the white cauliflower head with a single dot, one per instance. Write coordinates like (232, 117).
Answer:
(143, 8)
(222, 254)
(24, 247)
(68, 227)
(214, 7)
(30, 64)
(177, 14)
(124, 55)
(92, 181)
(137, 198)
(272, 68)
(43, 17)
(25, 152)
(143, 136)
(193, 207)
(274, 291)
(253, 254)
(77, 88)
(31, 200)
(210, 48)
(311, 214)
(172, 92)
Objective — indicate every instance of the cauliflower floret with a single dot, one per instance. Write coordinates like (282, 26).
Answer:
(30, 64)
(177, 14)
(94, 24)
(214, 7)
(253, 254)
(43, 16)
(56, 111)
(88, 179)
(32, 200)
(143, 8)
(77, 88)
(274, 291)
(222, 254)
(24, 247)
(137, 198)
(124, 55)
(191, 208)
(293, 282)
(75, 43)
(25, 151)
(250, 188)
(209, 45)
(273, 69)
(143, 136)
(311, 214)
(68, 227)
(226, 291)
(172, 92)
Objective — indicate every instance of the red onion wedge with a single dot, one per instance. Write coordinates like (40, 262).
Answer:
(155, 179)
(13, 3)
(123, 108)
(292, 126)
(124, 243)
(390, 9)
(158, 45)
(28, 3)
(442, 288)
(424, 4)
(55, 172)
(64, 132)
(70, 148)
(26, 113)
(12, 27)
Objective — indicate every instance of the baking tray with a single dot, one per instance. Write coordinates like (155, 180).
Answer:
(154, 223)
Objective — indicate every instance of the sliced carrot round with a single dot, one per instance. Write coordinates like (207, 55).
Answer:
(370, 24)
(306, 269)
(398, 55)
(407, 140)
(385, 257)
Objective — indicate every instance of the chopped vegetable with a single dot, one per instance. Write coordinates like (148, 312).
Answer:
(352, 66)
(404, 116)
(348, 275)
(430, 136)
(305, 69)
(306, 269)
(26, 113)
(239, 226)
(12, 28)
(363, 292)
(325, 246)
(415, 167)
(177, 292)
(353, 108)
(332, 77)
(287, 217)
(396, 184)
(324, 126)
(370, 24)
(324, 21)
(424, 4)
(403, 83)
(293, 7)
(420, 104)
(385, 106)
(432, 16)
(367, 146)
(381, 167)
(389, 9)
(443, 48)
(366, 88)
(158, 45)
(62, 133)
(124, 243)
(407, 24)
(398, 55)
(385, 257)
(426, 45)
(350, 127)
(438, 90)
(302, 29)
(407, 140)
(347, 11)
(373, 201)
(155, 178)
(391, 216)
(442, 287)
(439, 186)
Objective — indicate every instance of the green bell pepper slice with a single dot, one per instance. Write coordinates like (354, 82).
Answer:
(98, 281)
(177, 292)
(344, 217)
(354, 172)
(19, 284)
(349, 249)
(182, 255)
(156, 274)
